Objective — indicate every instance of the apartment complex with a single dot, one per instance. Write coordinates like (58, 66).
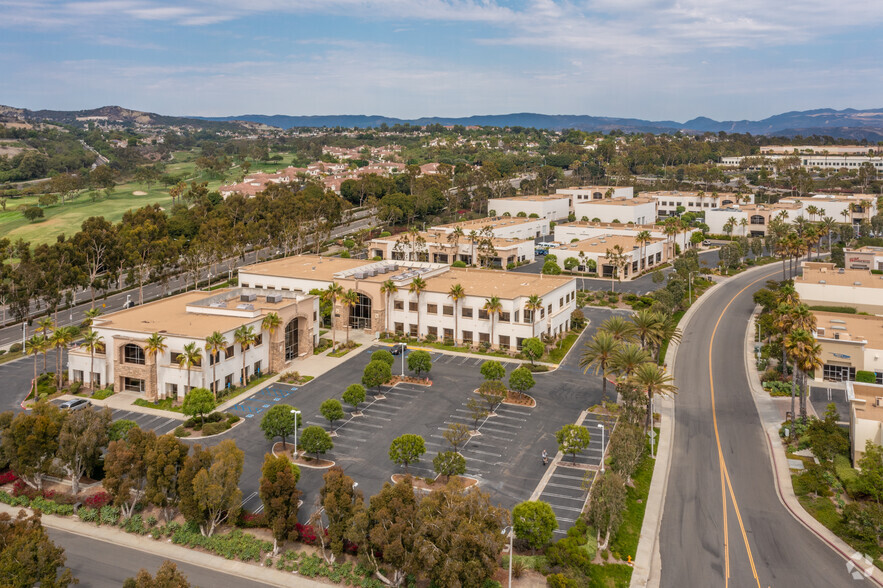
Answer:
(668, 202)
(596, 252)
(440, 247)
(824, 284)
(552, 207)
(127, 363)
(850, 343)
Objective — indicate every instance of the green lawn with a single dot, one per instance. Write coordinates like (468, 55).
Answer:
(557, 354)
(626, 541)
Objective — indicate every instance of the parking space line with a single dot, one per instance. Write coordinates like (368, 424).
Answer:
(374, 416)
(373, 408)
(465, 359)
(480, 452)
(565, 486)
(565, 497)
(556, 506)
(559, 475)
(492, 420)
(509, 418)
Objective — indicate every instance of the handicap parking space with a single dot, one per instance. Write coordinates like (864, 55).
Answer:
(263, 400)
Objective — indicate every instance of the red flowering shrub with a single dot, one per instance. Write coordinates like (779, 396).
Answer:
(306, 533)
(22, 489)
(49, 494)
(250, 520)
(98, 500)
(7, 477)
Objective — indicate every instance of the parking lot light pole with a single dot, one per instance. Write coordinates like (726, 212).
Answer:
(510, 531)
(404, 351)
(296, 414)
(601, 426)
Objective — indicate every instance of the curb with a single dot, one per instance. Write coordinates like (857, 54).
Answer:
(781, 473)
(168, 550)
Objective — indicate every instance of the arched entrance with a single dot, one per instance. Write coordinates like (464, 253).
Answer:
(291, 340)
(360, 314)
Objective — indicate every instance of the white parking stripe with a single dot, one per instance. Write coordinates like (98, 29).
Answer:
(569, 487)
(557, 506)
(565, 497)
(374, 416)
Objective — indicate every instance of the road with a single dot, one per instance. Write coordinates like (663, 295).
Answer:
(729, 518)
(76, 315)
(99, 564)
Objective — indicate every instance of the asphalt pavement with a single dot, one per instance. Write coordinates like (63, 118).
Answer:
(720, 525)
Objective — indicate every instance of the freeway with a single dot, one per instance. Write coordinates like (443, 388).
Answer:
(723, 523)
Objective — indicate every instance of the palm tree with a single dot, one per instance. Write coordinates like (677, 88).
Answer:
(806, 353)
(332, 294)
(653, 378)
(456, 293)
(743, 222)
(534, 304)
(493, 306)
(454, 237)
(828, 224)
(597, 354)
(214, 344)
(668, 331)
(245, 336)
(190, 357)
(92, 341)
(61, 339)
(155, 345)
(473, 237)
(621, 329)
(617, 259)
(626, 359)
(271, 323)
(388, 288)
(91, 315)
(45, 326)
(36, 345)
(418, 285)
(349, 300)
(642, 238)
(647, 327)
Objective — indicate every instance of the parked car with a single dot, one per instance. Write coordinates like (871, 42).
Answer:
(399, 348)
(706, 243)
(76, 404)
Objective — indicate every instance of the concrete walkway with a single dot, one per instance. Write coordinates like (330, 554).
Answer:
(168, 550)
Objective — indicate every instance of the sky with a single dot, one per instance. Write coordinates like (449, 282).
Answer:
(650, 59)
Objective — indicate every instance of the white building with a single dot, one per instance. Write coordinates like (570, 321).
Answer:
(552, 207)
(852, 208)
(750, 220)
(669, 202)
(579, 230)
(638, 257)
(190, 318)
(503, 227)
(865, 417)
(822, 284)
(814, 161)
(638, 210)
(585, 193)
(439, 247)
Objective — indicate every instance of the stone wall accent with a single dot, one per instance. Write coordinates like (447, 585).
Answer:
(123, 370)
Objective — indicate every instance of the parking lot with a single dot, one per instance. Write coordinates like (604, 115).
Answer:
(261, 401)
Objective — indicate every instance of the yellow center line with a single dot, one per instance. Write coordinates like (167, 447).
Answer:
(725, 476)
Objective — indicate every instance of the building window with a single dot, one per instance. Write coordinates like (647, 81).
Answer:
(412, 307)
(466, 312)
(257, 367)
(504, 341)
(228, 353)
(504, 316)
(549, 310)
(528, 316)
(133, 384)
(292, 340)
(482, 314)
(360, 314)
(432, 308)
(484, 337)
(515, 316)
(171, 390)
(398, 304)
(258, 340)
(838, 373)
(879, 377)
(228, 381)
(561, 301)
(658, 257)
(757, 219)
(448, 310)
(449, 333)
(519, 341)
(432, 331)
(467, 336)
(78, 376)
(399, 328)
(133, 354)
(413, 331)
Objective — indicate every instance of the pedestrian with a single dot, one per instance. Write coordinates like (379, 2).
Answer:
(545, 457)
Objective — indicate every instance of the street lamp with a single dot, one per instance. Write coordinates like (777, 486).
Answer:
(511, 533)
(296, 414)
(601, 426)
(404, 351)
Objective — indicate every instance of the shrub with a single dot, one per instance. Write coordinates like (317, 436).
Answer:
(135, 524)
(109, 515)
(459, 263)
(7, 477)
(214, 428)
(180, 431)
(385, 234)
(232, 418)
(75, 387)
(847, 475)
(87, 515)
(15, 348)
(865, 377)
(811, 481)
(102, 394)
(98, 500)
(559, 581)
(19, 488)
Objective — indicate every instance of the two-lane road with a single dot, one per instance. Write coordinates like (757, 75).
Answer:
(723, 524)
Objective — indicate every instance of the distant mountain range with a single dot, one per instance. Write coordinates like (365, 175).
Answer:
(849, 123)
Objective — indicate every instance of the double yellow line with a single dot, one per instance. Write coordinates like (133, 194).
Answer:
(726, 485)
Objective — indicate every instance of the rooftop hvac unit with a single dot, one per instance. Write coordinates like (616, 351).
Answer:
(371, 273)
(836, 335)
(359, 275)
(878, 401)
(248, 297)
(822, 282)
(382, 269)
(841, 271)
(821, 331)
(856, 283)
(274, 298)
(245, 307)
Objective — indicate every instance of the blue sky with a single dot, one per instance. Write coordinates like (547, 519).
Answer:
(654, 59)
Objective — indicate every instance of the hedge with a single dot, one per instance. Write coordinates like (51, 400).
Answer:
(865, 377)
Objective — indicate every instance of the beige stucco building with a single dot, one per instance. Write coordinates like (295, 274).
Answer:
(638, 257)
(552, 207)
(864, 258)
(850, 343)
(824, 284)
(443, 247)
(865, 417)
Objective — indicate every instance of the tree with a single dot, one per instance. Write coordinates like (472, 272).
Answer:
(214, 345)
(572, 439)
(457, 434)
(28, 557)
(492, 393)
(493, 370)
(349, 300)
(826, 438)
(521, 380)
(316, 440)
(30, 442)
(627, 358)
(383, 355)
(125, 469)
(119, 429)
(449, 463)
(165, 461)
(477, 411)
(153, 346)
(625, 449)
(419, 361)
(191, 356)
(871, 474)
(93, 342)
(332, 295)
(551, 268)
(280, 421)
(332, 410)
(280, 497)
(81, 441)
(597, 355)
(406, 449)
(246, 337)
(388, 288)
(354, 395)
(418, 285)
(198, 402)
(377, 372)
(653, 379)
(533, 348)
(617, 259)
(61, 340)
(36, 345)
(534, 306)
(493, 307)
(456, 293)
(167, 576)
(213, 495)
(32, 213)
(534, 522)
(341, 501)
(621, 329)
(607, 506)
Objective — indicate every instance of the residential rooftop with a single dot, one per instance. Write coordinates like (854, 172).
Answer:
(827, 273)
(850, 327)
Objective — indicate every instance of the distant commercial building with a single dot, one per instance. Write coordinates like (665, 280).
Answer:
(865, 417)
(853, 208)
(595, 251)
(552, 207)
(864, 258)
(823, 284)
(668, 202)
(850, 343)
(579, 230)
(814, 161)
(638, 210)
(817, 150)
(756, 218)
(439, 247)
(586, 193)
(503, 227)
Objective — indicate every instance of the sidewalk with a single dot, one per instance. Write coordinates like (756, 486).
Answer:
(771, 416)
(168, 550)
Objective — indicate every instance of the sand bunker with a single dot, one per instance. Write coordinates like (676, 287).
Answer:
(139, 193)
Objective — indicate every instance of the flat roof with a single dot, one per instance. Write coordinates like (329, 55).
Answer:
(169, 316)
(618, 201)
(309, 267)
(628, 226)
(537, 198)
(676, 193)
(487, 283)
(441, 238)
(763, 207)
(594, 188)
(865, 249)
(851, 327)
(868, 393)
(602, 243)
(814, 273)
(492, 221)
